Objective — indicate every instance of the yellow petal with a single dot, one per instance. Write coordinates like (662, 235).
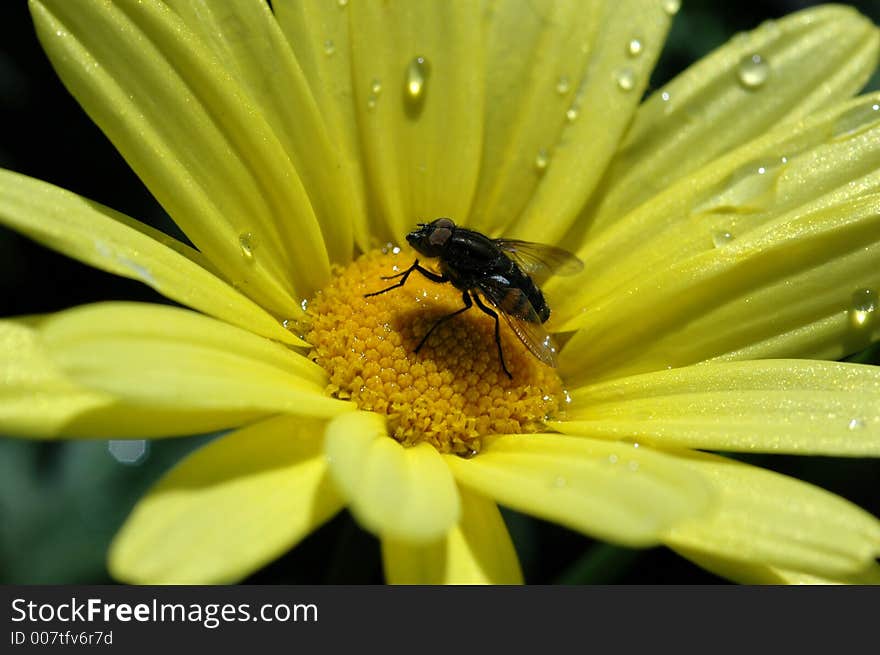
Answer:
(324, 56)
(752, 574)
(194, 137)
(562, 86)
(169, 358)
(418, 88)
(111, 241)
(616, 492)
(247, 40)
(229, 508)
(805, 62)
(775, 406)
(476, 551)
(768, 519)
(398, 493)
(36, 399)
(760, 254)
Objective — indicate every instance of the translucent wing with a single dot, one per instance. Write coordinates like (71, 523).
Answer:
(540, 261)
(516, 309)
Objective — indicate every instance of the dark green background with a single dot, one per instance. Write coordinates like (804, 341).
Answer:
(60, 503)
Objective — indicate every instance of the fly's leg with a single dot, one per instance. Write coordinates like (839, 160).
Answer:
(467, 305)
(405, 275)
(494, 315)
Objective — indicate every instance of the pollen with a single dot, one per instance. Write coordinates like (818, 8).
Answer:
(453, 391)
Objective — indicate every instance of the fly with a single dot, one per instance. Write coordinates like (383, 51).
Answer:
(504, 272)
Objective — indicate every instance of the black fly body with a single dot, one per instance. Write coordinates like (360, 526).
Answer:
(501, 271)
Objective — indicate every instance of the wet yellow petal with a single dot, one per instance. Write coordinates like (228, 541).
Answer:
(116, 243)
(170, 358)
(399, 493)
(612, 491)
(782, 71)
(36, 399)
(763, 253)
(752, 574)
(768, 519)
(563, 81)
(194, 137)
(784, 406)
(476, 551)
(324, 56)
(229, 508)
(418, 88)
(247, 40)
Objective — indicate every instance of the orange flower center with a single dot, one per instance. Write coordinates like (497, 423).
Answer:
(450, 393)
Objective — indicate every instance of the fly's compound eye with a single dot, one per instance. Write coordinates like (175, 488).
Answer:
(439, 235)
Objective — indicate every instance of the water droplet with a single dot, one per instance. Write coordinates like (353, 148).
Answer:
(286, 323)
(128, 451)
(304, 303)
(752, 72)
(415, 86)
(633, 466)
(856, 424)
(634, 47)
(395, 250)
(247, 241)
(376, 86)
(625, 79)
(721, 238)
(329, 47)
(571, 115)
(749, 189)
(563, 85)
(559, 482)
(342, 3)
(664, 96)
(671, 7)
(566, 396)
(612, 459)
(856, 120)
(542, 160)
(862, 311)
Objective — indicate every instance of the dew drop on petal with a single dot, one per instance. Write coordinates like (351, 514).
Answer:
(571, 115)
(247, 243)
(856, 120)
(415, 85)
(563, 85)
(671, 7)
(856, 424)
(625, 79)
(721, 238)
(612, 459)
(376, 86)
(752, 72)
(342, 4)
(329, 47)
(634, 47)
(559, 482)
(863, 308)
(542, 160)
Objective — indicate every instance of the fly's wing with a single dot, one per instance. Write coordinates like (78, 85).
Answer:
(516, 309)
(540, 261)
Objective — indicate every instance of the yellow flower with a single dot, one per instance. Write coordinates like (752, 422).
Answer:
(730, 230)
